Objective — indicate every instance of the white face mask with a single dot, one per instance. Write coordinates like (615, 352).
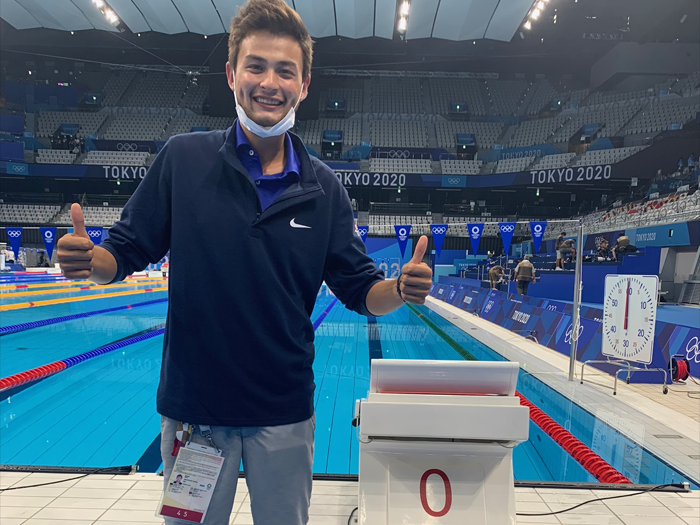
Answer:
(264, 132)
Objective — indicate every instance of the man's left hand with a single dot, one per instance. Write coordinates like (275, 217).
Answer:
(416, 276)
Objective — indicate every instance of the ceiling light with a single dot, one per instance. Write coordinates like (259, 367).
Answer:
(405, 8)
(111, 16)
(683, 18)
(535, 14)
(540, 5)
(205, 37)
(403, 23)
(138, 34)
(99, 4)
(528, 25)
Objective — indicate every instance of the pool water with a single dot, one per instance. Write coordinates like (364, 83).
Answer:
(101, 412)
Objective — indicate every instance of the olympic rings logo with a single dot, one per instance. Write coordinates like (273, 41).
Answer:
(399, 154)
(19, 168)
(506, 228)
(14, 233)
(48, 236)
(453, 180)
(125, 146)
(363, 231)
(692, 351)
(438, 230)
(95, 233)
(570, 336)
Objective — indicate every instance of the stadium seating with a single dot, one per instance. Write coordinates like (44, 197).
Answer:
(382, 165)
(55, 156)
(688, 87)
(155, 90)
(351, 128)
(136, 127)
(27, 213)
(460, 167)
(116, 86)
(443, 91)
(486, 133)
(185, 123)
(117, 158)
(397, 95)
(513, 165)
(352, 97)
(549, 162)
(505, 95)
(542, 97)
(535, 131)
(94, 215)
(384, 224)
(195, 95)
(88, 122)
(606, 156)
(398, 134)
(658, 117)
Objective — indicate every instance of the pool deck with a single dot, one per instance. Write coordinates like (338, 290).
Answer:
(133, 499)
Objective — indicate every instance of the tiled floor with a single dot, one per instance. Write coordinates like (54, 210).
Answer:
(132, 500)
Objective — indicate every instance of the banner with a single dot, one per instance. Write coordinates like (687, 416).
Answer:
(537, 229)
(49, 236)
(15, 236)
(95, 234)
(507, 230)
(363, 231)
(438, 231)
(402, 233)
(475, 231)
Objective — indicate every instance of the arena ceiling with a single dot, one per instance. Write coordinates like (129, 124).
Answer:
(455, 20)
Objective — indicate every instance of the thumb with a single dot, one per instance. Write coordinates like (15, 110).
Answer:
(421, 246)
(76, 217)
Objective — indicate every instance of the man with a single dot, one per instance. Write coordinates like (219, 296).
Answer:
(496, 275)
(238, 348)
(620, 246)
(603, 253)
(568, 251)
(524, 274)
(559, 264)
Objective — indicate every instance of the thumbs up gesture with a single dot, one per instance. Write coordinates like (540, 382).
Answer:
(416, 276)
(75, 249)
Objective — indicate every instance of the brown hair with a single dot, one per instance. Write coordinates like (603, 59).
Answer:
(276, 17)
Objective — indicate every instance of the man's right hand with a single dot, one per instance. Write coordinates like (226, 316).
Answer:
(75, 250)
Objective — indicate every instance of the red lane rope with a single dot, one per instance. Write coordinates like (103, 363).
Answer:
(592, 462)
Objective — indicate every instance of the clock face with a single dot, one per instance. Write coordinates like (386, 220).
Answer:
(629, 317)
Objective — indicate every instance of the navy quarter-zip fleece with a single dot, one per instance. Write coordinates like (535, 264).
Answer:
(238, 346)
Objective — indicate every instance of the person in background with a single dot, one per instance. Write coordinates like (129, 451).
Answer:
(603, 251)
(524, 275)
(680, 165)
(9, 255)
(496, 275)
(568, 251)
(559, 265)
(621, 244)
(691, 162)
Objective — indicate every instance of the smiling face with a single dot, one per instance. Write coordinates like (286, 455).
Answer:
(268, 77)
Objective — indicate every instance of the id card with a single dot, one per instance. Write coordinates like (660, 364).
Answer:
(192, 483)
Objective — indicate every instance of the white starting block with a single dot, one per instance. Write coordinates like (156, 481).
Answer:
(436, 443)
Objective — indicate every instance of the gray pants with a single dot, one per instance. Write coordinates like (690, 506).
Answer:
(278, 469)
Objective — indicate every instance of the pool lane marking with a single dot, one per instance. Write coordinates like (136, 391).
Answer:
(21, 327)
(74, 289)
(68, 283)
(20, 306)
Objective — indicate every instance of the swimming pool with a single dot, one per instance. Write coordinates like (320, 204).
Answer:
(101, 412)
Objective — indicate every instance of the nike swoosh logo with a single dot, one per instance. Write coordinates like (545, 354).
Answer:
(295, 225)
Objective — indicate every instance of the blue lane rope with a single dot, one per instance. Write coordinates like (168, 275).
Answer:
(13, 329)
(154, 332)
(323, 315)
